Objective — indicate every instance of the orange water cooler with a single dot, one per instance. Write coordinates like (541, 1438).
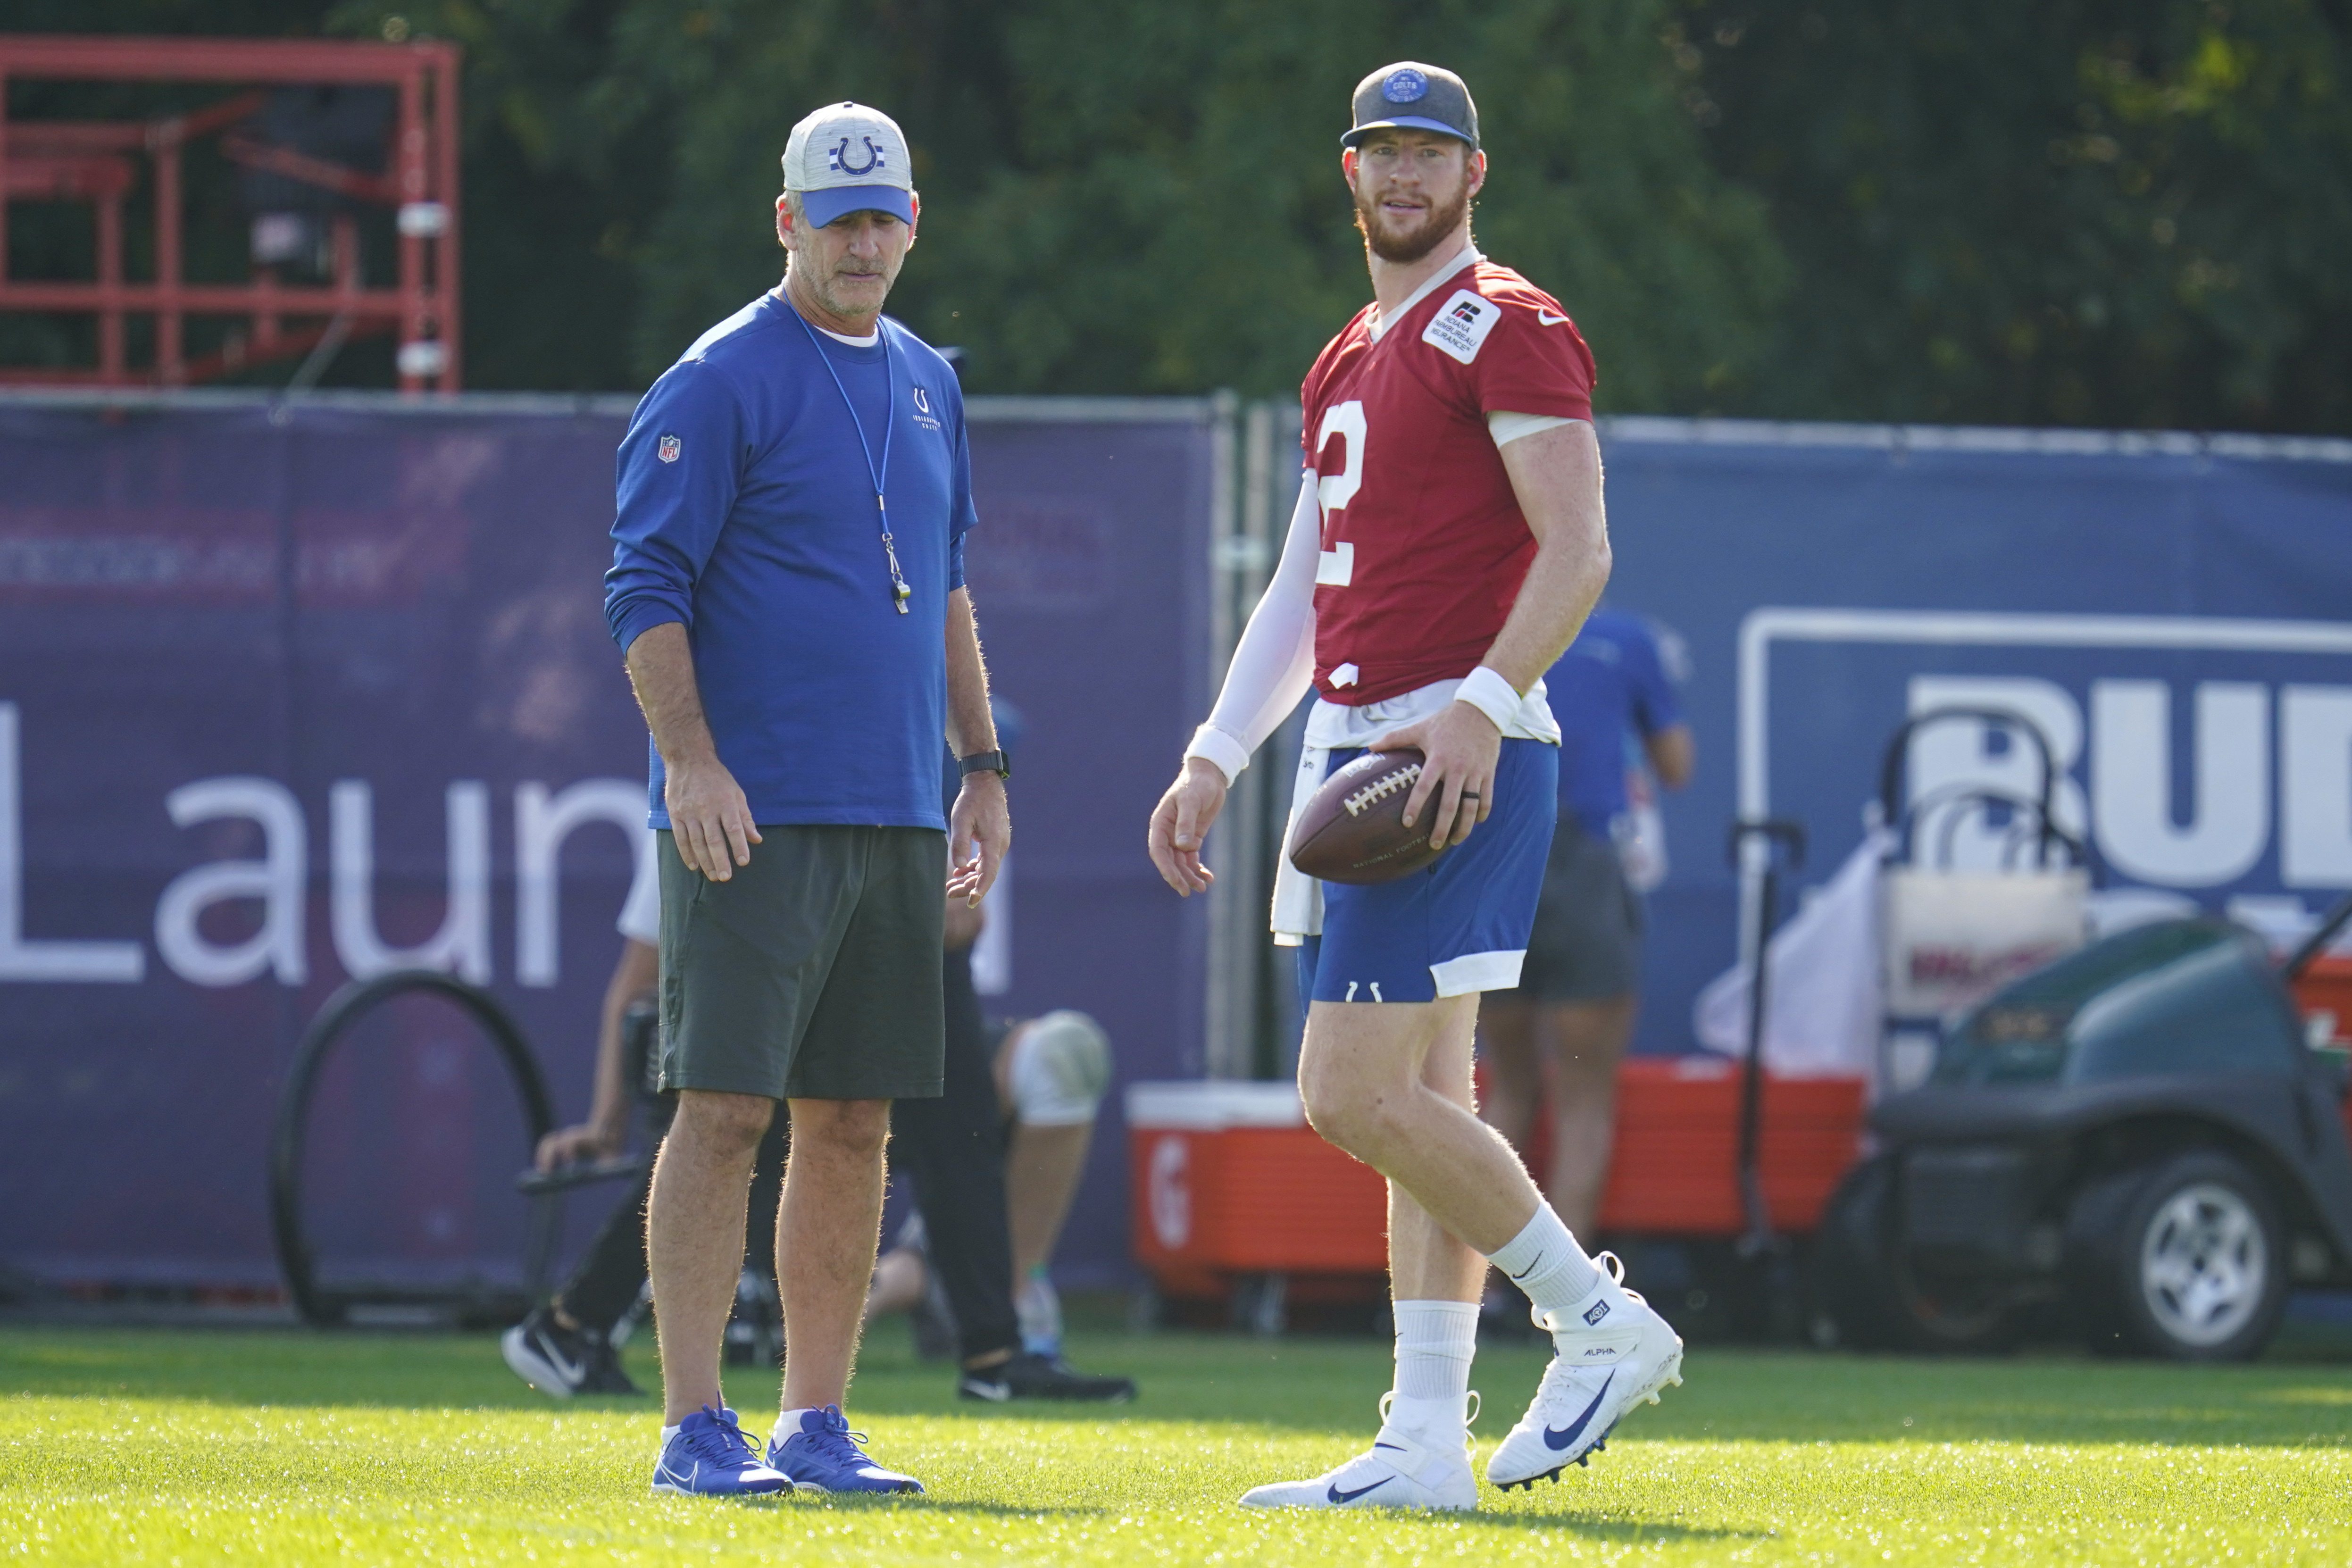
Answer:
(1231, 1184)
(1674, 1167)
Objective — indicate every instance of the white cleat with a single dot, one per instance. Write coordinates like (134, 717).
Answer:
(1401, 1469)
(1612, 1353)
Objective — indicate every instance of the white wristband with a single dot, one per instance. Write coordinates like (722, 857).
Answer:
(1492, 695)
(1215, 746)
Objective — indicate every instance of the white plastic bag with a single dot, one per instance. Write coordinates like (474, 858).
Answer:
(1822, 1004)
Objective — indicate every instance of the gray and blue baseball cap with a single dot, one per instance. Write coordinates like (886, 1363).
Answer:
(1410, 96)
(849, 158)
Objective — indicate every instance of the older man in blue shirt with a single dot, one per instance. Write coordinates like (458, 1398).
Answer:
(787, 585)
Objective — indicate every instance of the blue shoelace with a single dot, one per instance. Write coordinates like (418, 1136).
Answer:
(724, 1442)
(835, 1441)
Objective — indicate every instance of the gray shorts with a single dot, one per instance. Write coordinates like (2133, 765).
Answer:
(1587, 941)
(812, 973)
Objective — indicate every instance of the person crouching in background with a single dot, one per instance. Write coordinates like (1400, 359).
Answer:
(1048, 1075)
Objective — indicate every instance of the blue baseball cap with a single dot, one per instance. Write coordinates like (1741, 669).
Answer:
(1409, 96)
(849, 158)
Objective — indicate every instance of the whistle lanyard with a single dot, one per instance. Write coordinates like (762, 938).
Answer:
(900, 591)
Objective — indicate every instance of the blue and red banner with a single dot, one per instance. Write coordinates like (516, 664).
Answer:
(289, 696)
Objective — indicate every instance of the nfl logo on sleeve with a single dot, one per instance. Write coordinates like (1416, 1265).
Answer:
(668, 449)
(1462, 323)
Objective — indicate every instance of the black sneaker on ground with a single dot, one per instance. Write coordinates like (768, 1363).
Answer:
(1030, 1376)
(561, 1362)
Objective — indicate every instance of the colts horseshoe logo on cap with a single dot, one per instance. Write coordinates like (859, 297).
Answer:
(1406, 86)
(839, 160)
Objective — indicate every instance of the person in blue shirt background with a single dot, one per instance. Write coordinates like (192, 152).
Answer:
(787, 587)
(1559, 1038)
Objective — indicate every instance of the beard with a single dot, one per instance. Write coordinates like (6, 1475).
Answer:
(1441, 218)
(838, 292)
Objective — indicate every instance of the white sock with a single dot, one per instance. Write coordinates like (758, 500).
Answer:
(1545, 1261)
(667, 1433)
(1435, 1343)
(788, 1424)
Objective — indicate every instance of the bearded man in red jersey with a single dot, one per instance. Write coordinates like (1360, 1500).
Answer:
(1448, 543)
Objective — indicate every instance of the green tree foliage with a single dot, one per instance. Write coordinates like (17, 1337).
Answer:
(1146, 198)
(2109, 212)
(721, 83)
(566, 167)
(2090, 212)
(1170, 215)
(1128, 197)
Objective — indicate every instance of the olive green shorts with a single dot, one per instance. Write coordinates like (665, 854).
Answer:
(812, 973)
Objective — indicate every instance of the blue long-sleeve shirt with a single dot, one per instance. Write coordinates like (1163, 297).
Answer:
(746, 511)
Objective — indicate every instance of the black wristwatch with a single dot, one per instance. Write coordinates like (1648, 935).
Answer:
(995, 763)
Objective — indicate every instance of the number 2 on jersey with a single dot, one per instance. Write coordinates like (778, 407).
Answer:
(1333, 492)
(1344, 419)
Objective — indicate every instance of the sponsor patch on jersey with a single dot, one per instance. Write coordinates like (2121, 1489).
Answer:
(669, 448)
(1462, 323)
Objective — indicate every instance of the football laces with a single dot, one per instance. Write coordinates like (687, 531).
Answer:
(1382, 789)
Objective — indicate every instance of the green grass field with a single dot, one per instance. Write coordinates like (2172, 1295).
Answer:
(119, 1446)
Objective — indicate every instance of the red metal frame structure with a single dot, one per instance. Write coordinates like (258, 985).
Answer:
(48, 160)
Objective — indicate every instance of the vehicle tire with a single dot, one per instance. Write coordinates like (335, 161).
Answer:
(2183, 1258)
(1959, 1314)
(1851, 1288)
(1866, 1286)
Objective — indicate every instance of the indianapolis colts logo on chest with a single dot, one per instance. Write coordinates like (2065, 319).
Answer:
(923, 415)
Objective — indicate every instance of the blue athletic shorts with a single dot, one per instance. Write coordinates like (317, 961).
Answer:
(1458, 925)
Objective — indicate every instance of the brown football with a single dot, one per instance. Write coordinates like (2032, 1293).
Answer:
(1353, 827)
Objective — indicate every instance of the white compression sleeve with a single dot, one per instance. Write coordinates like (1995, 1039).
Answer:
(1274, 663)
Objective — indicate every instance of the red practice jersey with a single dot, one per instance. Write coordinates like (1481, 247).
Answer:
(1424, 543)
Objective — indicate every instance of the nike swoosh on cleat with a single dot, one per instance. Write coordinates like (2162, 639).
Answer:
(1393, 1448)
(570, 1371)
(1335, 1495)
(1557, 1439)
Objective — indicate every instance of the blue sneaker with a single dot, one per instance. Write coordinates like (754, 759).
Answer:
(824, 1456)
(709, 1456)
